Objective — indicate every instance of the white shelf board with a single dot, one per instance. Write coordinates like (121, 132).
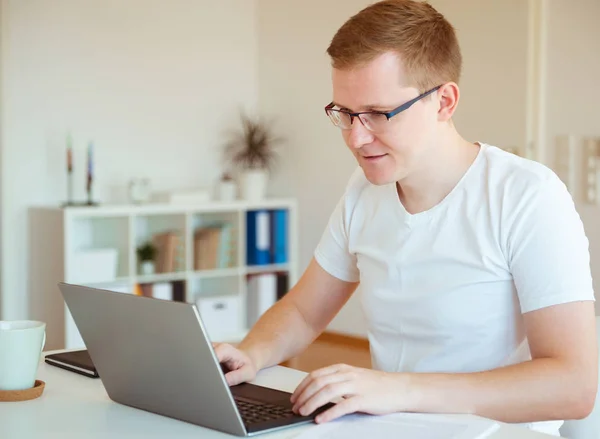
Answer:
(255, 269)
(160, 277)
(218, 272)
(163, 208)
(123, 280)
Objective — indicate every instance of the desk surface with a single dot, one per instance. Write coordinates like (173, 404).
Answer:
(74, 406)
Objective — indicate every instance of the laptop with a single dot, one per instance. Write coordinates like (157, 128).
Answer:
(155, 355)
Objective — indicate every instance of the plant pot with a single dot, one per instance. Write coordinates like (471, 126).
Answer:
(227, 190)
(147, 267)
(253, 184)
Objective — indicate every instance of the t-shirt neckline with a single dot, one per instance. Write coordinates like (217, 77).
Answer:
(416, 218)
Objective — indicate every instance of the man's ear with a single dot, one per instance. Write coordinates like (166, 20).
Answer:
(448, 96)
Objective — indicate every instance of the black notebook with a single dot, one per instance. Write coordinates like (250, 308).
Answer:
(74, 361)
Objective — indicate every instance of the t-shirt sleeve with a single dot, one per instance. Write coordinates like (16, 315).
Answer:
(548, 250)
(332, 252)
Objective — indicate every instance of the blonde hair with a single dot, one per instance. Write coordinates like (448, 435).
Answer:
(425, 41)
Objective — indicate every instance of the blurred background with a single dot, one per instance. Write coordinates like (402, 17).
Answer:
(139, 98)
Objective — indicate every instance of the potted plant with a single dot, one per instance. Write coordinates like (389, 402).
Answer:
(146, 254)
(227, 187)
(251, 150)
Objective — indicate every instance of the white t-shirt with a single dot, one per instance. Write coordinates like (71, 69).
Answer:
(444, 290)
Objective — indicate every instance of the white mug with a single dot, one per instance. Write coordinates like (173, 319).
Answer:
(21, 345)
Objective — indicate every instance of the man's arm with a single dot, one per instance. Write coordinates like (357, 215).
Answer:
(560, 382)
(294, 322)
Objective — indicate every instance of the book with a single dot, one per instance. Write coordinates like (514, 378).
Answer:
(75, 361)
(170, 251)
(214, 246)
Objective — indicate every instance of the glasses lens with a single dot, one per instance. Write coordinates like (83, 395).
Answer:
(339, 119)
(374, 121)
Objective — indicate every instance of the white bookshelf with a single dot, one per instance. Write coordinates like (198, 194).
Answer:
(57, 234)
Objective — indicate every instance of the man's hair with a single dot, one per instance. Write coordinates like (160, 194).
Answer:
(425, 41)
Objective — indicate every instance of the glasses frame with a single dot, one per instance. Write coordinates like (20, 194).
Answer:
(329, 108)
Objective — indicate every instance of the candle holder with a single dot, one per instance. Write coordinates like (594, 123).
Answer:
(89, 178)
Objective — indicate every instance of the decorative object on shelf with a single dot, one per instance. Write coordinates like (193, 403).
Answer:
(146, 254)
(139, 190)
(89, 176)
(251, 150)
(227, 188)
(69, 169)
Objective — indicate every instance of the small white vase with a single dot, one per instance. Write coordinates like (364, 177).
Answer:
(147, 267)
(227, 190)
(253, 184)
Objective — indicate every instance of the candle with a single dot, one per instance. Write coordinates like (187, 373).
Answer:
(69, 154)
(69, 169)
(90, 159)
(90, 170)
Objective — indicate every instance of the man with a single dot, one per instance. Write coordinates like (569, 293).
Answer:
(473, 262)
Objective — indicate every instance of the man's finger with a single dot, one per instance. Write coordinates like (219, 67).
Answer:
(317, 384)
(347, 406)
(313, 375)
(236, 377)
(329, 393)
(224, 352)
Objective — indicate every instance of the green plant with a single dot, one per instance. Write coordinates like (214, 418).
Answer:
(146, 252)
(252, 146)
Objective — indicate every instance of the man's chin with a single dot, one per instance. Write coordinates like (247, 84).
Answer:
(379, 179)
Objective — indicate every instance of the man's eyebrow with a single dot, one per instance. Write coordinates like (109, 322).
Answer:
(370, 107)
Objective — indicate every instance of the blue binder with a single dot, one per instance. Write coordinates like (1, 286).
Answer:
(258, 237)
(279, 221)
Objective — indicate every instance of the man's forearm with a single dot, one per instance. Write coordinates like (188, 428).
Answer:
(281, 333)
(541, 389)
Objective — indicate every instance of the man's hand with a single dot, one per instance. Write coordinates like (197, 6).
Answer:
(360, 390)
(240, 365)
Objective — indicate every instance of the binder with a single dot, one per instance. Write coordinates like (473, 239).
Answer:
(258, 238)
(282, 284)
(279, 222)
(262, 294)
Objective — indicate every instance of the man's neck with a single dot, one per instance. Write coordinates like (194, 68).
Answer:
(430, 184)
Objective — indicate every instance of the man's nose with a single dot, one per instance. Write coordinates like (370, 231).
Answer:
(358, 135)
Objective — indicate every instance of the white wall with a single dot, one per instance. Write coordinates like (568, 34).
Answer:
(295, 85)
(493, 86)
(572, 92)
(295, 75)
(153, 83)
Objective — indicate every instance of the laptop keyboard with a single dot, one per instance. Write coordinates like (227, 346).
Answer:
(258, 412)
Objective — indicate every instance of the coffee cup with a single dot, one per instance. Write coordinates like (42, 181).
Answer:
(21, 345)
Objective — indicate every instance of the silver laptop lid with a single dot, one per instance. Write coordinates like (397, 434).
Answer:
(154, 355)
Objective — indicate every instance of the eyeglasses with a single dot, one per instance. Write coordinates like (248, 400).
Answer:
(374, 121)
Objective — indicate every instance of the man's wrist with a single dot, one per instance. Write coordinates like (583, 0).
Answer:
(253, 354)
(409, 392)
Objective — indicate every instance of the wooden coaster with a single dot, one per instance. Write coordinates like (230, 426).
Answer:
(23, 395)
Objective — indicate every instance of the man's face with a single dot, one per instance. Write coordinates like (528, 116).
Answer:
(393, 153)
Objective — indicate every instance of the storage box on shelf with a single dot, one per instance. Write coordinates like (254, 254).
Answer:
(212, 255)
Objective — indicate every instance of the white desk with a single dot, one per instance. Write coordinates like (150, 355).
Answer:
(76, 407)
